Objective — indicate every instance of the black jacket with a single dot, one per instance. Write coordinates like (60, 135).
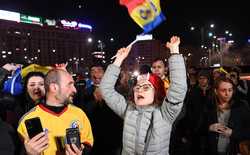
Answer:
(238, 121)
(9, 139)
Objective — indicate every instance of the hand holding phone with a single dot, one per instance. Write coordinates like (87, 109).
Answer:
(37, 144)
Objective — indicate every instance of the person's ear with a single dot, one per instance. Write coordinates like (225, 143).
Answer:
(53, 87)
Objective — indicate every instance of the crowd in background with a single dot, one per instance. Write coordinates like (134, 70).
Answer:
(213, 120)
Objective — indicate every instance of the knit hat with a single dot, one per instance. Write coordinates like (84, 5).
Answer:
(157, 83)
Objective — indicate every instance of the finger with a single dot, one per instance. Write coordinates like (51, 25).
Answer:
(82, 146)
(42, 148)
(220, 131)
(75, 149)
(172, 39)
(39, 145)
(168, 44)
(178, 39)
(42, 141)
(69, 150)
(37, 137)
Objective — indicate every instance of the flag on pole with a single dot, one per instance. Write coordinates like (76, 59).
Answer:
(146, 13)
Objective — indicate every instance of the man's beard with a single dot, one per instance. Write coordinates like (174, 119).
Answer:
(65, 100)
(68, 100)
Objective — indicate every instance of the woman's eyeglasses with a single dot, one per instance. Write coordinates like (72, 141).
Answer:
(145, 87)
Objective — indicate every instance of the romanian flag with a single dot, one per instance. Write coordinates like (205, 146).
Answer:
(146, 13)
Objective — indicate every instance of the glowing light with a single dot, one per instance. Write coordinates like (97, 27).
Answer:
(68, 23)
(50, 22)
(90, 40)
(135, 73)
(210, 34)
(74, 24)
(8, 15)
(80, 25)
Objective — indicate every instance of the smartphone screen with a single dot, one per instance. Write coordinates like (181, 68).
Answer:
(33, 126)
(73, 136)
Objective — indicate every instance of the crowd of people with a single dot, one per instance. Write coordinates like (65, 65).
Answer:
(166, 109)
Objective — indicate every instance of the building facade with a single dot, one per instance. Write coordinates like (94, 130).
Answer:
(43, 44)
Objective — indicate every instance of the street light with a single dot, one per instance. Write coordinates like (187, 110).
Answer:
(211, 25)
(90, 40)
(210, 34)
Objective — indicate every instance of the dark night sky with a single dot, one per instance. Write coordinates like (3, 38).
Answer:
(109, 19)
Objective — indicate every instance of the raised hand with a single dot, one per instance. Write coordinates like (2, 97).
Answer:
(121, 54)
(173, 45)
(11, 67)
(61, 66)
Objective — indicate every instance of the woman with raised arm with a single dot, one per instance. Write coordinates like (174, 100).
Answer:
(149, 117)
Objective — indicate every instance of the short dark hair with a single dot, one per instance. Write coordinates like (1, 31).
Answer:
(144, 69)
(98, 65)
(159, 59)
(32, 74)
